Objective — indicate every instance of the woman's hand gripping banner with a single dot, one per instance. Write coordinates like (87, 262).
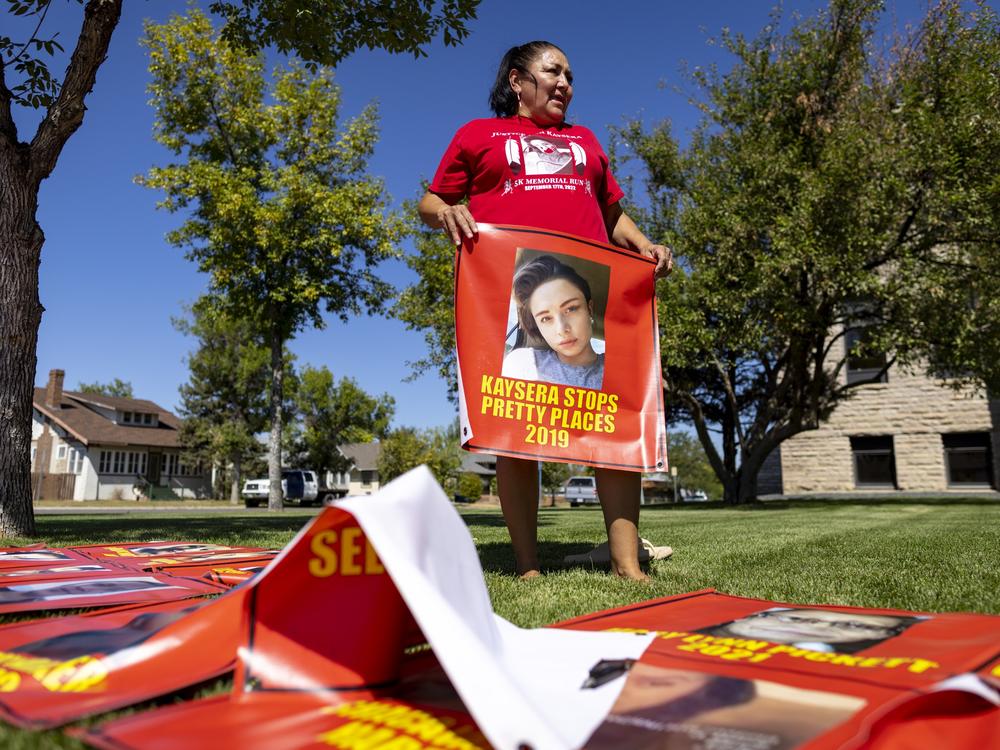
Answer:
(558, 350)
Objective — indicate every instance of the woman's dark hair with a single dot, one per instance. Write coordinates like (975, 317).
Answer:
(532, 275)
(503, 100)
(843, 647)
(718, 692)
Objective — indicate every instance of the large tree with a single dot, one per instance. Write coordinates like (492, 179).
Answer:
(838, 190)
(224, 403)
(427, 305)
(406, 448)
(280, 211)
(322, 33)
(118, 388)
(334, 412)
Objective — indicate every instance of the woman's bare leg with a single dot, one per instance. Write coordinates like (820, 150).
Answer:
(517, 483)
(619, 494)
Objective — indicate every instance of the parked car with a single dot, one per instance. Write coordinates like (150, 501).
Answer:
(694, 496)
(582, 491)
(297, 485)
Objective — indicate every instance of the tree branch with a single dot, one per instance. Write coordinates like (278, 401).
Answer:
(698, 418)
(731, 398)
(31, 38)
(8, 128)
(64, 116)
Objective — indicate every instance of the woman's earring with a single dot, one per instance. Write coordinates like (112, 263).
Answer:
(591, 320)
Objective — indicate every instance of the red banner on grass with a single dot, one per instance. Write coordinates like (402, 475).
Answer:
(59, 670)
(100, 589)
(558, 350)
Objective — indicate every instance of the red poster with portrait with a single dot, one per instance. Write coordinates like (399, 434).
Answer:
(558, 350)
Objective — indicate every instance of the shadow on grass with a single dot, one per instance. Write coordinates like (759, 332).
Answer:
(497, 557)
(546, 517)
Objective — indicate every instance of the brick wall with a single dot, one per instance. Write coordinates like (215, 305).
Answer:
(912, 408)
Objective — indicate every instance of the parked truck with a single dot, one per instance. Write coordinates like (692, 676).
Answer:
(581, 491)
(297, 485)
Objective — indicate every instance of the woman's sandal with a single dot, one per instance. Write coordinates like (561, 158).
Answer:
(601, 554)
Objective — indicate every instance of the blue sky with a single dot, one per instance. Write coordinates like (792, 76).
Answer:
(110, 283)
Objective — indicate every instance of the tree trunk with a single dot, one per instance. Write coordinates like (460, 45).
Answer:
(20, 315)
(730, 483)
(274, 498)
(23, 166)
(234, 490)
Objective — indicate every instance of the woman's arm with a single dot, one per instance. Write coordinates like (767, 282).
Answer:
(624, 233)
(453, 217)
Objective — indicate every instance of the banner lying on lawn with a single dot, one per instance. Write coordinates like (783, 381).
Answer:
(327, 643)
(558, 350)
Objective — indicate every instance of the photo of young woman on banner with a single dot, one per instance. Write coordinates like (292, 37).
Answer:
(558, 350)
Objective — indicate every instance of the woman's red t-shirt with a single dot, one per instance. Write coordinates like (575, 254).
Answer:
(516, 172)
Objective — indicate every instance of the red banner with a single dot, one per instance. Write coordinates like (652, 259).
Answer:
(17, 558)
(79, 570)
(304, 721)
(764, 674)
(558, 350)
(59, 670)
(134, 552)
(102, 589)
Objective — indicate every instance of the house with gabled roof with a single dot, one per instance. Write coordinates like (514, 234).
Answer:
(362, 478)
(86, 446)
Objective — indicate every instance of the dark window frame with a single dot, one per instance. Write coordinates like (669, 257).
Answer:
(863, 369)
(967, 444)
(867, 447)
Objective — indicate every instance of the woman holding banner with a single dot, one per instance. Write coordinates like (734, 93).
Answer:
(529, 166)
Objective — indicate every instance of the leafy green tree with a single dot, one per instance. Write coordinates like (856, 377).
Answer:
(406, 448)
(281, 213)
(469, 485)
(322, 33)
(118, 388)
(224, 403)
(554, 476)
(832, 188)
(403, 449)
(334, 413)
(693, 469)
(427, 305)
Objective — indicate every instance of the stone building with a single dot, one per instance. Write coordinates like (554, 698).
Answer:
(907, 433)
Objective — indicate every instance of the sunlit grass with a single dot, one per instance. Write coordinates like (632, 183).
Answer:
(934, 555)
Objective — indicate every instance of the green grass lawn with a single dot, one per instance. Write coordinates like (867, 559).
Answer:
(941, 555)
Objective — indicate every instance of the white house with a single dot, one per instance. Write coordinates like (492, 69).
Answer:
(362, 479)
(86, 446)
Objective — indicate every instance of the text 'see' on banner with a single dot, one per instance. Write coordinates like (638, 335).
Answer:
(558, 350)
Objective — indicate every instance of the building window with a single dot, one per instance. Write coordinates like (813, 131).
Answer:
(874, 461)
(147, 419)
(127, 417)
(61, 451)
(864, 363)
(968, 459)
(116, 462)
(75, 461)
(34, 450)
(367, 477)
